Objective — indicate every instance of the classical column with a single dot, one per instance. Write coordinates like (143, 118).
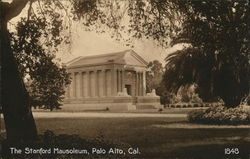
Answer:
(100, 83)
(118, 81)
(88, 84)
(122, 79)
(144, 83)
(92, 83)
(70, 86)
(114, 82)
(81, 84)
(141, 83)
(76, 84)
(138, 83)
(84, 92)
(135, 83)
(104, 83)
(67, 92)
(73, 85)
(96, 83)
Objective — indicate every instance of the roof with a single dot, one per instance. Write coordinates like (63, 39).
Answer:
(127, 57)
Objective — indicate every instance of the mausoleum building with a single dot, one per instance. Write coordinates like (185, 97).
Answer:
(109, 81)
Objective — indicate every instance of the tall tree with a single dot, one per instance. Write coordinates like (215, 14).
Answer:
(31, 39)
(217, 33)
(45, 78)
(19, 122)
(216, 37)
(218, 57)
(154, 75)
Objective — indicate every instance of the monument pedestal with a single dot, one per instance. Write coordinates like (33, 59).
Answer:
(148, 102)
(101, 103)
(121, 102)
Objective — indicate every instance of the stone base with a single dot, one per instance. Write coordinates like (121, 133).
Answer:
(121, 103)
(96, 100)
(148, 102)
(96, 106)
(99, 103)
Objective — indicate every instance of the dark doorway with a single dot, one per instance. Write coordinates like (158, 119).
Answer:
(128, 87)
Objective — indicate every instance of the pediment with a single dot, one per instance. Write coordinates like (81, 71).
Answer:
(127, 57)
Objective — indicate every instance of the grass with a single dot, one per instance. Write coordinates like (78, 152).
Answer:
(155, 142)
(138, 111)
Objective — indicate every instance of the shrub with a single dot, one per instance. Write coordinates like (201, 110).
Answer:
(190, 105)
(196, 105)
(220, 115)
(178, 106)
(208, 104)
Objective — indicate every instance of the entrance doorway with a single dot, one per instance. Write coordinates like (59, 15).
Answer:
(128, 87)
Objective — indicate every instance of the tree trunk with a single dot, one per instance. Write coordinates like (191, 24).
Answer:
(18, 118)
(231, 102)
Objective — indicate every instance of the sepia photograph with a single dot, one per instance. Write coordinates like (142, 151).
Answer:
(132, 79)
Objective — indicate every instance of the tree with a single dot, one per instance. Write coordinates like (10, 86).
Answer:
(216, 36)
(188, 94)
(217, 58)
(19, 122)
(36, 42)
(45, 77)
(153, 75)
(15, 101)
(217, 33)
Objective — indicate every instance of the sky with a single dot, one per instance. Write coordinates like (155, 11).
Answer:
(86, 43)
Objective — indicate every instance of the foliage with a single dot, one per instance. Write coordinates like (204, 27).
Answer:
(220, 115)
(217, 57)
(246, 101)
(34, 45)
(187, 94)
(153, 75)
(166, 97)
(215, 34)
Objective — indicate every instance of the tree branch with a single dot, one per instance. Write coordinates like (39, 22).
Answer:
(15, 8)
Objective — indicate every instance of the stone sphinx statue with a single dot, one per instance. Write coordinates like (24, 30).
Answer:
(152, 94)
(124, 93)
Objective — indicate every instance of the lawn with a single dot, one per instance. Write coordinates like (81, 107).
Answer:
(155, 141)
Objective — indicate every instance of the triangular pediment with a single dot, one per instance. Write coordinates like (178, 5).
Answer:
(127, 57)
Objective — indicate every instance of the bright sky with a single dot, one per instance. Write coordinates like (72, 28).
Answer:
(90, 43)
(85, 43)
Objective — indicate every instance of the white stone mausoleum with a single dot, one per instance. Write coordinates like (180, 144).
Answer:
(115, 81)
